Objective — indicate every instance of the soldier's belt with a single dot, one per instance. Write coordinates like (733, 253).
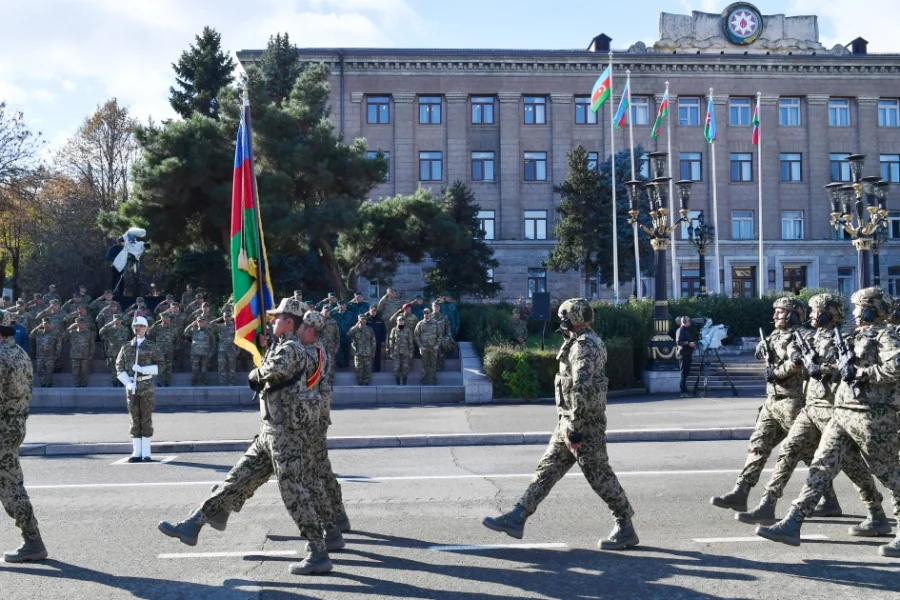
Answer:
(143, 378)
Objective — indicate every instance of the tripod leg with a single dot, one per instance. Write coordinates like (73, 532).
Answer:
(727, 376)
(705, 373)
(699, 371)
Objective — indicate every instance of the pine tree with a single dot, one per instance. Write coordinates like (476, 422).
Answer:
(202, 72)
(279, 68)
(461, 268)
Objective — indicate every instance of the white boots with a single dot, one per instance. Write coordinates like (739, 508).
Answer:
(145, 450)
(141, 450)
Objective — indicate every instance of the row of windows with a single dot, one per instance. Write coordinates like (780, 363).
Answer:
(378, 111)
(690, 166)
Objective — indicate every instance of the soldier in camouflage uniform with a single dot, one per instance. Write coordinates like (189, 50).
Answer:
(100, 302)
(51, 294)
(16, 380)
(164, 305)
(44, 339)
(114, 335)
(194, 305)
(188, 296)
(131, 312)
(223, 329)
(331, 339)
(865, 418)
(205, 310)
(23, 317)
(77, 300)
(784, 399)
(446, 340)
(519, 328)
(428, 335)
(201, 348)
(178, 321)
(37, 305)
(388, 305)
(57, 319)
(580, 434)
(106, 314)
(290, 401)
(402, 345)
(138, 361)
(163, 334)
(362, 342)
(81, 350)
(827, 312)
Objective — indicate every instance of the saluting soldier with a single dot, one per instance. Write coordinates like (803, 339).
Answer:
(388, 305)
(138, 361)
(331, 339)
(37, 305)
(205, 310)
(223, 329)
(164, 305)
(188, 296)
(163, 334)
(362, 343)
(51, 294)
(57, 319)
(441, 319)
(402, 345)
(139, 304)
(428, 336)
(114, 335)
(44, 340)
(81, 349)
(201, 349)
(100, 302)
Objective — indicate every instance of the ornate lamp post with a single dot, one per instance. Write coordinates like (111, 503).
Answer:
(700, 236)
(848, 212)
(662, 347)
(880, 190)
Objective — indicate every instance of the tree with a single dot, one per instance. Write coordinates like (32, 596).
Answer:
(202, 72)
(584, 229)
(461, 267)
(279, 67)
(18, 146)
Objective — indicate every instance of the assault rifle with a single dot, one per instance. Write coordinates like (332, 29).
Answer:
(806, 350)
(845, 356)
(767, 355)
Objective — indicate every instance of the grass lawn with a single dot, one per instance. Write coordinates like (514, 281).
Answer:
(552, 340)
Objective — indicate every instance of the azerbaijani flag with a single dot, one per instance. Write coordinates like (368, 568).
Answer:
(663, 113)
(709, 130)
(602, 90)
(756, 125)
(249, 264)
(622, 111)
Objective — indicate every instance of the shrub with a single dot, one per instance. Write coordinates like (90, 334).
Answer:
(485, 324)
(523, 381)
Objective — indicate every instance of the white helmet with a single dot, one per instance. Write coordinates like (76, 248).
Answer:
(139, 321)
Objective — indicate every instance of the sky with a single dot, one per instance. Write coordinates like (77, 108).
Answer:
(64, 58)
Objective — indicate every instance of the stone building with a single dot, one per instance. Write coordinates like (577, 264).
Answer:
(502, 121)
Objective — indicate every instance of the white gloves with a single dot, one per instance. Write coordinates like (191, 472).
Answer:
(151, 370)
(139, 369)
(125, 379)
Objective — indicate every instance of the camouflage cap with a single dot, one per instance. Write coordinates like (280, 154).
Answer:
(170, 297)
(117, 316)
(54, 301)
(426, 311)
(6, 318)
(139, 299)
(361, 317)
(205, 305)
(401, 318)
(314, 320)
(107, 292)
(876, 298)
(46, 321)
(20, 303)
(331, 295)
(288, 306)
(202, 319)
(577, 311)
(166, 314)
(37, 296)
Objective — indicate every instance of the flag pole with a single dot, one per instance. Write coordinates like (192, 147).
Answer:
(762, 266)
(712, 150)
(615, 220)
(260, 256)
(638, 288)
(672, 212)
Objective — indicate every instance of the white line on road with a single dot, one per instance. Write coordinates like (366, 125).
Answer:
(496, 547)
(755, 538)
(155, 461)
(228, 554)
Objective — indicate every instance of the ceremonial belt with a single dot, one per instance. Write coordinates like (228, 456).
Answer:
(143, 377)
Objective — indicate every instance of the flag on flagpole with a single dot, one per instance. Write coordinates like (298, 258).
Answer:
(756, 125)
(709, 130)
(663, 113)
(602, 90)
(249, 264)
(622, 111)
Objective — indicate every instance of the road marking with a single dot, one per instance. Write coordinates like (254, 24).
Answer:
(755, 538)
(228, 554)
(156, 461)
(476, 548)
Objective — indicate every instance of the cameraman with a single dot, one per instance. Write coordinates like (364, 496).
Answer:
(111, 253)
(684, 350)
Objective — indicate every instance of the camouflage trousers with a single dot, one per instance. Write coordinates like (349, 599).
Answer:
(227, 362)
(873, 432)
(13, 496)
(429, 366)
(772, 425)
(319, 455)
(81, 370)
(363, 366)
(402, 365)
(45, 370)
(111, 365)
(165, 374)
(275, 453)
(140, 409)
(801, 443)
(199, 366)
(594, 462)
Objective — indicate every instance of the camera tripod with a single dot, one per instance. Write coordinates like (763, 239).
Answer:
(138, 281)
(704, 371)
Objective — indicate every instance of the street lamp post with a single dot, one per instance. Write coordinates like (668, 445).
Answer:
(880, 191)
(700, 236)
(848, 213)
(662, 347)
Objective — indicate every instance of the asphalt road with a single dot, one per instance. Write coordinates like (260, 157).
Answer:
(411, 509)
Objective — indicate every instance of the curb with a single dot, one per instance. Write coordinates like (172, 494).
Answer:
(399, 441)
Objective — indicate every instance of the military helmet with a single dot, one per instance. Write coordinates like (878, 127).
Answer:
(139, 321)
(828, 303)
(575, 311)
(876, 299)
(894, 317)
(6, 318)
(793, 305)
(314, 320)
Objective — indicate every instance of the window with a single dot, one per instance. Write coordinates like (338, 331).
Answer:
(387, 157)
(840, 166)
(535, 224)
(535, 166)
(640, 110)
(482, 166)
(430, 166)
(894, 281)
(839, 112)
(741, 225)
(583, 113)
(741, 166)
(792, 224)
(594, 161)
(692, 220)
(644, 165)
(789, 112)
(790, 166)
(378, 109)
(889, 113)
(689, 111)
(739, 112)
(690, 282)
(794, 279)
(743, 282)
(845, 281)
(894, 225)
(537, 281)
(839, 234)
(890, 167)
(490, 275)
(374, 289)
(482, 110)
(429, 110)
(689, 165)
(486, 219)
(535, 110)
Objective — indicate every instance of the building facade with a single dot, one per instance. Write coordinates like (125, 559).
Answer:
(503, 121)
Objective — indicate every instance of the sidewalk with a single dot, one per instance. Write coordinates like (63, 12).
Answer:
(634, 418)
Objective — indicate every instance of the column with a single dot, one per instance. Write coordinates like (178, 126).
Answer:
(457, 121)
(817, 167)
(561, 119)
(404, 159)
(510, 217)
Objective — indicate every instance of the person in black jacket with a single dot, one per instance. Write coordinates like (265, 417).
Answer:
(380, 331)
(111, 253)
(685, 345)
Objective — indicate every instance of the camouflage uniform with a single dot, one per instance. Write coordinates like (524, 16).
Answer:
(107, 314)
(388, 306)
(81, 350)
(445, 338)
(519, 328)
(142, 401)
(345, 322)
(449, 310)
(163, 335)
(57, 319)
(335, 511)
(44, 340)
(428, 339)
(362, 342)
(331, 339)
(402, 345)
(201, 348)
(227, 357)
(99, 303)
(114, 335)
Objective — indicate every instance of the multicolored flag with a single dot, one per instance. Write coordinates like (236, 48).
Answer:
(709, 130)
(756, 125)
(663, 113)
(622, 111)
(249, 265)
(602, 90)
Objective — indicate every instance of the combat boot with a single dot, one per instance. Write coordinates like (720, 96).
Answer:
(891, 550)
(828, 506)
(315, 562)
(219, 521)
(764, 514)
(30, 550)
(876, 524)
(187, 530)
(786, 531)
(398, 380)
(622, 536)
(342, 523)
(334, 541)
(511, 523)
(404, 381)
(736, 499)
